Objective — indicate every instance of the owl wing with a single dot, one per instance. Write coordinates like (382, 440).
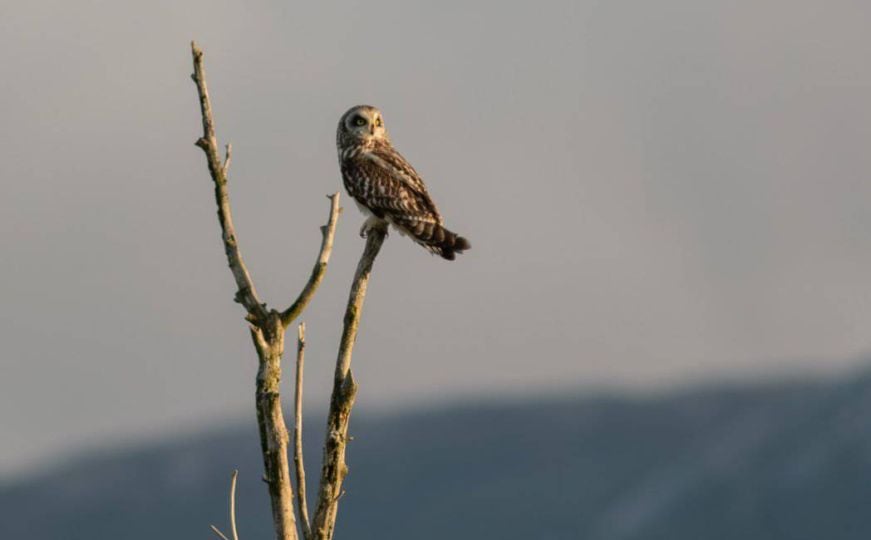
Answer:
(399, 167)
(383, 182)
(389, 187)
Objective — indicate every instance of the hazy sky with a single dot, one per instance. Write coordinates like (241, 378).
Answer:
(655, 192)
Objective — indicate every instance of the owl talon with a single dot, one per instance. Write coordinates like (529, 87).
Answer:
(371, 223)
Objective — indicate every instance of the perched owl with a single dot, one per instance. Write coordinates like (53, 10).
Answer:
(386, 187)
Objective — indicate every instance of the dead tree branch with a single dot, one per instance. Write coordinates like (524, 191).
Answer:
(232, 510)
(246, 293)
(302, 505)
(218, 532)
(334, 469)
(328, 231)
(268, 339)
(267, 326)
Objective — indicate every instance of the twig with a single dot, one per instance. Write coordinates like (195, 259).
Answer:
(328, 232)
(228, 157)
(232, 510)
(218, 532)
(233, 505)
(334, 468)
(246, 294)
(302, 505)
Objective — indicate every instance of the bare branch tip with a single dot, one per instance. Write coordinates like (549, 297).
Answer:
(228, 156)
(218, 532)
(233, 530)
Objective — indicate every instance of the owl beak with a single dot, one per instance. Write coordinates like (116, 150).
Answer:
(372, 129)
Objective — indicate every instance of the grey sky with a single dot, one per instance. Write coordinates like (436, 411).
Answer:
(655, 191)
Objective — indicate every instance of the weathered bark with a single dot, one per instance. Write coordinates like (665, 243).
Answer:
(269, 341)
(334, 468)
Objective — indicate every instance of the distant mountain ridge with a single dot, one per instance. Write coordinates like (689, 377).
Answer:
(767, 461)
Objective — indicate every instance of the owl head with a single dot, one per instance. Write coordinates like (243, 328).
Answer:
(361, 124)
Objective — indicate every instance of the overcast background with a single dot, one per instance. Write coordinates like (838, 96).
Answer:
(656, 193)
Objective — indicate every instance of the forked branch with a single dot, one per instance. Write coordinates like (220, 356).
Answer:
(267, 326)
(268, 329)
(246, 292)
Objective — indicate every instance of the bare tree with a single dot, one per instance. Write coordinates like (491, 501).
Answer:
(268, 327)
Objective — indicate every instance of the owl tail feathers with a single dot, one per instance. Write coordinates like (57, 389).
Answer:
(458, 244)
(439, 240)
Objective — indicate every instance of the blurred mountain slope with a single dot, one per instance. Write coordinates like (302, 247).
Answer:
(787, 460)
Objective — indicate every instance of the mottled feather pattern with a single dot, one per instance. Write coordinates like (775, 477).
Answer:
(383, 182)
(384, 152)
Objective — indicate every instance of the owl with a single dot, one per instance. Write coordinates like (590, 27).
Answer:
(386, 188)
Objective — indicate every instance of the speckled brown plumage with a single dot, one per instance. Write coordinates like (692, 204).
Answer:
(386, 186)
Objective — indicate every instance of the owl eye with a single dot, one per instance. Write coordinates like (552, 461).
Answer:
(379, 122)
(359, 121)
